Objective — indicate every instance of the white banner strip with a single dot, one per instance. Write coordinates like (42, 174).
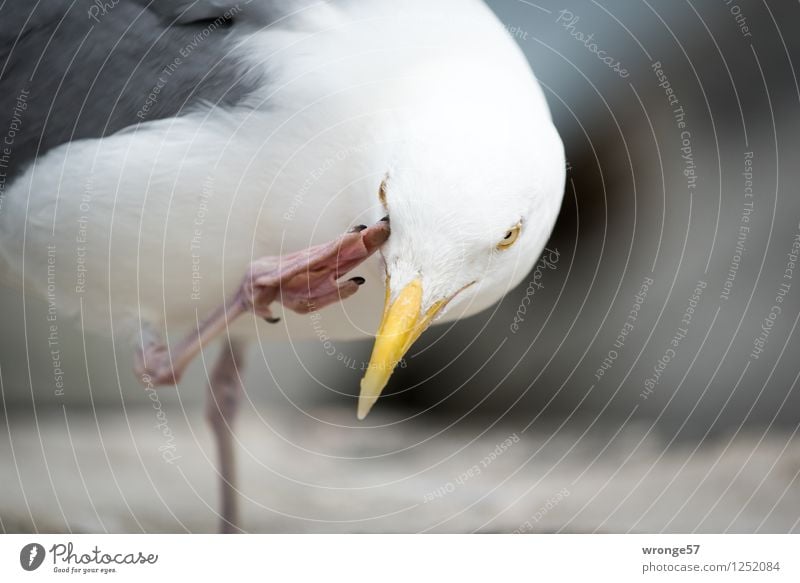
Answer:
(401, 558)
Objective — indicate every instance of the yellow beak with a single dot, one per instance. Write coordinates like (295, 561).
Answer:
(402, 323)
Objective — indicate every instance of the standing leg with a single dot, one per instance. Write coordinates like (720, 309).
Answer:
(302, 281)
(224, 397)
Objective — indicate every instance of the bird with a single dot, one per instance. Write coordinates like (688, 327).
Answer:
(189, 171)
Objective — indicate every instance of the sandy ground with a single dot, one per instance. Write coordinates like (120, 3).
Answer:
(319, 471)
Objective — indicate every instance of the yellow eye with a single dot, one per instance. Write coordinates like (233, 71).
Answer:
(511, 237)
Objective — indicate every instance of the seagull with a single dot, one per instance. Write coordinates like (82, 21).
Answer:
(190, 171)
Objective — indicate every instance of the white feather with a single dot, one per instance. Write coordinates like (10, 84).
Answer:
(435, 94)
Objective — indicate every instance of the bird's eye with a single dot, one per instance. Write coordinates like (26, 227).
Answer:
(510, 237)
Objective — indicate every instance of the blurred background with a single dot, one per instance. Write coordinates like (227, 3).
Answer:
(643, 378)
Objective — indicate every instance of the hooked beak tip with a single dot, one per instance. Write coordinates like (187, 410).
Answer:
(365, 406)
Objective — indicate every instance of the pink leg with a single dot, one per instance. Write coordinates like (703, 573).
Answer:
(224, 396)
(303, 281)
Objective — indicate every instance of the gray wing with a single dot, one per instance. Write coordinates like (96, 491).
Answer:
(189, 11)
(252, 12)
(88, 68)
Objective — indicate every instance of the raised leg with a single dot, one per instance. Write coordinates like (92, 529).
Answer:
(224, 396)
(303, 281)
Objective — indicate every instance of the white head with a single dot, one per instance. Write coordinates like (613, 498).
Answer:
(472, 195)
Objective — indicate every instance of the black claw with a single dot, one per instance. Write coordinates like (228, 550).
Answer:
(358, 228)
(272, 320)
(358, 280)
(386, 218)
